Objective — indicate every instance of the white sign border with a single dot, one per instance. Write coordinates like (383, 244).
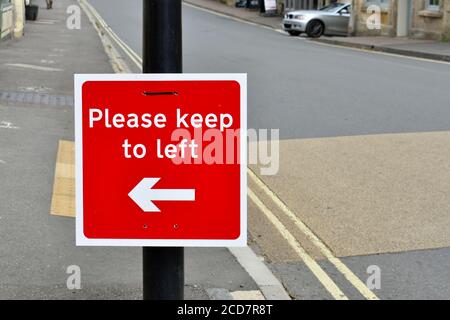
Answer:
(81, 239)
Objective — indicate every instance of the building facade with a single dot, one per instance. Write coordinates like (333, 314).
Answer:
(426, 19)
(12, 19)
(290, 5)
(6, 19)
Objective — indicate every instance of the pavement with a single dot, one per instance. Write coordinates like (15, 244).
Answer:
(36, 113)
(428, 49)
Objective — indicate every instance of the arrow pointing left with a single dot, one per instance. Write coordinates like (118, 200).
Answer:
(143, 194)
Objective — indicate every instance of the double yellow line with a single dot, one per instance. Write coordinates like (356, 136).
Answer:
(101, 23)
(315, 268)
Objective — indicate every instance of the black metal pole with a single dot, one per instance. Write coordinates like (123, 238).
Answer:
(163, 268)
(162, 38)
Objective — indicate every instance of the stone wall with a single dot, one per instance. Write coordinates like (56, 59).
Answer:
(361, 14)
(424, 23)
(229, 2)
(430, 24)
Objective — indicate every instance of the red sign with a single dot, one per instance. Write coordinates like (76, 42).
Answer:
(161, 160)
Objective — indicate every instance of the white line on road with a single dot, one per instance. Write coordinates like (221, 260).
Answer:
(7, 125)
(134, 57)
(348, 274)
(315, 268)
(2, 162)
(42, 22)
(115, 59)
(33, 67)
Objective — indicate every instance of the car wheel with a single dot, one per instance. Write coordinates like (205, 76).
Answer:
(294, 33)
(315, 29)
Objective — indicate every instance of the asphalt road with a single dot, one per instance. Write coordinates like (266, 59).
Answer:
(308, 90)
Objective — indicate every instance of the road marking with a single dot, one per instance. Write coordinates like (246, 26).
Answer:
(46, 21)
(340, 266)
(47, 61)
(2, 162)
(111, 32)
(134, 57)
(8, 125)
(42, 22)
(315, 268)
(379, 52)
(115, 59)
(33, 67)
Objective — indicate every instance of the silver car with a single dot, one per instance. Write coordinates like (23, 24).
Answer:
(329, 20)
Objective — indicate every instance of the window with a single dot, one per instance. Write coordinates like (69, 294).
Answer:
(380, 3)
(433, 4)
(332, 7)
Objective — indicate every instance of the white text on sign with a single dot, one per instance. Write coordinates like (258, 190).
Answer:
(184, 120)
(206, 146)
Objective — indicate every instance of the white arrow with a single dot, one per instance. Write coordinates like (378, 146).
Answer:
(144, 194)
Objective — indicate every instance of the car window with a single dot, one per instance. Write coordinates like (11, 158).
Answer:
(331, 7)
(345, 10)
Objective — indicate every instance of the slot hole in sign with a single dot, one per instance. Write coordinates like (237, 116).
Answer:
(160, 93)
